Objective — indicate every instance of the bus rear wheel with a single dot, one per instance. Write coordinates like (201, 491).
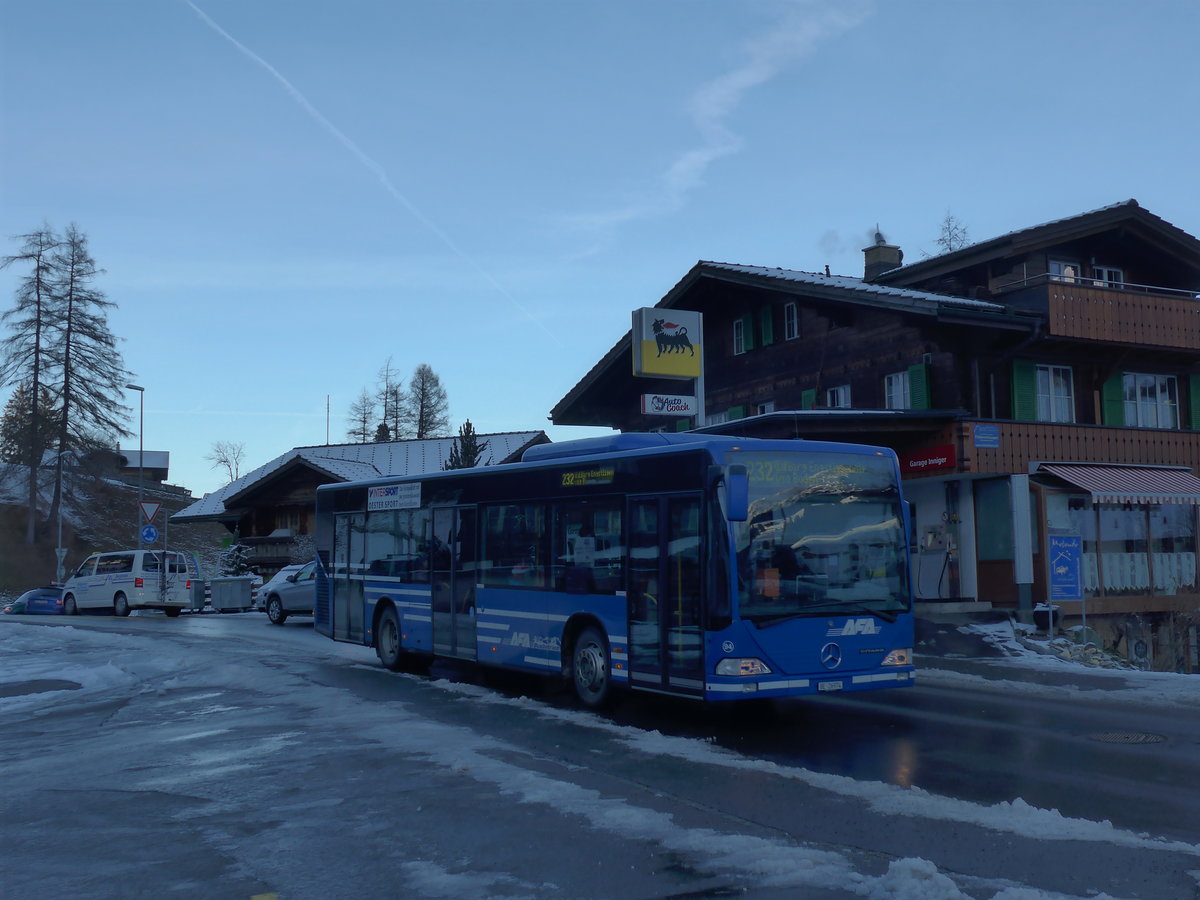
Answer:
(120, 605)
(591, 669)
(387, 641)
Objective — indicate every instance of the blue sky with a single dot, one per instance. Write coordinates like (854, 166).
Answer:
(285, 194)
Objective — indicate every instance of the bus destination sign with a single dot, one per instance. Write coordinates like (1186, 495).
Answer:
(588, 477)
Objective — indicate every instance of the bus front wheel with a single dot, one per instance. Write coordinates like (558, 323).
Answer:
(591, 669)
(387, 641)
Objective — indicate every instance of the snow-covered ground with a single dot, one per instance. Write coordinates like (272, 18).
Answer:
(104, 663)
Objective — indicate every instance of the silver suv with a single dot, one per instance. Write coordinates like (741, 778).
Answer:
(293, 589)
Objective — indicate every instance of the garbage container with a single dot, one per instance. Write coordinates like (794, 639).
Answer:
(1046, 617)
(232, 593)
(198, 588)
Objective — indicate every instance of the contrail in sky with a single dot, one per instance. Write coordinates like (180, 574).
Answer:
(371, 165)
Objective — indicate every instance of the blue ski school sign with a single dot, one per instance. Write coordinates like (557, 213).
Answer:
(1066, 567)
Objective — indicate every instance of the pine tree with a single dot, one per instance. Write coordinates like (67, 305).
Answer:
(467, 450)
(90, 366)
(17, 440)
(26, 351)
(426, 409)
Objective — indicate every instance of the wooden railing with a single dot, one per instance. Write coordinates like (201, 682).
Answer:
(1023, 442)
(1114, 315)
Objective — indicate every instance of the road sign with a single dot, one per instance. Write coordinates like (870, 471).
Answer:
(149, 510)
(149, 534)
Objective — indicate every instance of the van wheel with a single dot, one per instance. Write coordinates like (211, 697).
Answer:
(387, 640)
(590, 668)
(69, 607)
(120, 605)
(275, 611)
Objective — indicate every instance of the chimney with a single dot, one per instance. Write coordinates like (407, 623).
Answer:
(880, 257)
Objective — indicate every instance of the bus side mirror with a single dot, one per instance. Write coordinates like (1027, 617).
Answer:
(737, 494)
(736, 500)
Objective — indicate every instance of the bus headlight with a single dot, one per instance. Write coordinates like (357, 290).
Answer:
(898, 658)
(743, 667)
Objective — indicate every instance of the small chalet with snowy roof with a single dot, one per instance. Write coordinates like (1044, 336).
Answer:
(1041, 389)
(271, 509)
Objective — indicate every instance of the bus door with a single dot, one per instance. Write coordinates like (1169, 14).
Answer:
(454, 577)
(666, 649)
(349, 565)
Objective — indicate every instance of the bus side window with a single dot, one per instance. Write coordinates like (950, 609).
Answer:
(589, 547)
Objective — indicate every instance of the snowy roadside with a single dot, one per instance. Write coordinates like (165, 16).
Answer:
(1024, 661)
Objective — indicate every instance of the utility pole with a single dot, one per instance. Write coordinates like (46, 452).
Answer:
(141, 452)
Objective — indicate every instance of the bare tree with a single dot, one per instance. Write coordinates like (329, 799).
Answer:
(391, 401)
(227, 455)
(953, 235)
(426, 409)
(360, 418)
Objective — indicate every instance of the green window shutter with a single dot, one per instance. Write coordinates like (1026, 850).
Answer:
(918, 387)
(682, 424)
(768, 326)
(1112, 400)
(808, 399)
(1024, 391)
(736, 412)
(1194, 400)
(748, 331)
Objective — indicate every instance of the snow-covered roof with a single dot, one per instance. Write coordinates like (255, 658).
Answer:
(358, 462)
(856, 286)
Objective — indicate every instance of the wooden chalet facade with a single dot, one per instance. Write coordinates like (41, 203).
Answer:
(1042, 391)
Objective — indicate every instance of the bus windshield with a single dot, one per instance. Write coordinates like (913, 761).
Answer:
(824, 537)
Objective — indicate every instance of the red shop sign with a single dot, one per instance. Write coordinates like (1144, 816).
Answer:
(931, 459)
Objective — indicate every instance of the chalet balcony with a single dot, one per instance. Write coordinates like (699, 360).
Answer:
(1119, 313)
(1017, 444)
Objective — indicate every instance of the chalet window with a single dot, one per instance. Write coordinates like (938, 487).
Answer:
(763, 408)
(838, 397)
(1151, 401)
(895, 391)
(743, 334)
(908, 389)
(1064, 270)
(791, 322)
(1055, 394)
(1108, 276)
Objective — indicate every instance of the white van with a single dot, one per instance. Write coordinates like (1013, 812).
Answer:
(125, 580)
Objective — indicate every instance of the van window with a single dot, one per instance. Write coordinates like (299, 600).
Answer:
(114, 564)
(86, 568)
(152, 562)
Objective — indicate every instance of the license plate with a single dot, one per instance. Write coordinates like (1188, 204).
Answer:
(830, 685)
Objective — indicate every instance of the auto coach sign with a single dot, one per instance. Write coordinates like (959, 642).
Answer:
(668, 405)
(394, 496)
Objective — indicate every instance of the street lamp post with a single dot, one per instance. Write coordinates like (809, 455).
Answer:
(141, 451)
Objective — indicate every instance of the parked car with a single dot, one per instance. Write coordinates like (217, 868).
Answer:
(126, 580)
(48, 599)
(293, 589)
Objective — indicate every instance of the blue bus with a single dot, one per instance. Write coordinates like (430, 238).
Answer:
(700, 566)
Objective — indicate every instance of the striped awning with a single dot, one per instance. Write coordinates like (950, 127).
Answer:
(1129, 484)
